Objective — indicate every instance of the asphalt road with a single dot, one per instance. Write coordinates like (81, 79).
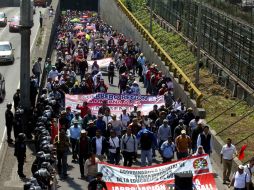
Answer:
(11, 72)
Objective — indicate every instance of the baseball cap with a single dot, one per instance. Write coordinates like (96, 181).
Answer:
(183, 132)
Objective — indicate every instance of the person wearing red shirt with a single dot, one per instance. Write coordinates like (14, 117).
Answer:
(54, 129)
(83, 109)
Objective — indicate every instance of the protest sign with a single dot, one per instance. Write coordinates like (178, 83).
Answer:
(159, 177)
(101, 62)
(116, 102)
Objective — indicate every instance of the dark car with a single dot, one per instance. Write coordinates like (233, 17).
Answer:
(3, 19)
(14, 24)
(2, 88)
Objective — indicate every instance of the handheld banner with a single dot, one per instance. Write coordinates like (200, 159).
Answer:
(159, 177)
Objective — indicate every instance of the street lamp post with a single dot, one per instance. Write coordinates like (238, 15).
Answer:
(26, 23)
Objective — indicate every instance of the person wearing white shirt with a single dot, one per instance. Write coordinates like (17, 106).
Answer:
(74, 133)
(116, 125)
(240, 179)
(107, 117)
(125, 119)
(227, 155)
(114, 148)
(53, 74)
(249, 169)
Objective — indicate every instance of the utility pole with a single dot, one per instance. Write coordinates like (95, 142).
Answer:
(199, 33)
(151, 17)
(26, 23)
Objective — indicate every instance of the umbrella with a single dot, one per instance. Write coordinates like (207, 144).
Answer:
(81, 34)
(90, 28)
(75, 20)
(78, 27)
(85, 16)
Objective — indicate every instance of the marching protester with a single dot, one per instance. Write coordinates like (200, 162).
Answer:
(91, 167)
(129, 146)
(240, 179)
(205, 140)
(167, 150)
(183, 145)
(99, 145)
(228, 152)
(97, 183)
(9, 118)
(20, 153)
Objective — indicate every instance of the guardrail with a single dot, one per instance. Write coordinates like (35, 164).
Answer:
(177, 71)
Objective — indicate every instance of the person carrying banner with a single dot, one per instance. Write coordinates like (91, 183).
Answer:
(129, 146)
(183, 145)
(167, 150)
(98, 183)
(227, 155)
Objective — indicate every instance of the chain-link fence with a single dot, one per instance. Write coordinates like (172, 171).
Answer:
(229, 41)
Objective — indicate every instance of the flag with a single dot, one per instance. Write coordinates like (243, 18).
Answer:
(241, 153)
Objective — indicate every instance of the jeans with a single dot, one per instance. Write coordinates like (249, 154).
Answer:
(74, 143)
(82, 159)
(9, 129)
(114, 158)
(62, 162)
(146, 155)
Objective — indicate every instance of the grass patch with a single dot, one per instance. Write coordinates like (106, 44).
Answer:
(216, 98)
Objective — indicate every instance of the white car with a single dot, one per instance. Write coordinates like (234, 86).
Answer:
(6, 52)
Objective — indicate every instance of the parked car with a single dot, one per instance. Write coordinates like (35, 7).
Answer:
(14, 24)
(2, 88)
(6, 52)
(3, 19)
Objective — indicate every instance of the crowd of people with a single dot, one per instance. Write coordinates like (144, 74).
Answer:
(169, 132)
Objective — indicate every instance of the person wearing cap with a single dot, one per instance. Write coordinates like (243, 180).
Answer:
(97, 183)
(77, 118)
(167, 149)
(91, 129)
(205, 140)
(88, 117)
(74, 134)
(84, 150)
(249, 169)
(179, 128)
(240, 180)
(124, 118)
(164, 132)
(183, 145)
(227, 153)
(53, 73)
(116, 125)
(135, 89)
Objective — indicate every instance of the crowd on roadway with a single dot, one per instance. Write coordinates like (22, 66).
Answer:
(170, 131)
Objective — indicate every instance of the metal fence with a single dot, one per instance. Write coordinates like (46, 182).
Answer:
(228, 41)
